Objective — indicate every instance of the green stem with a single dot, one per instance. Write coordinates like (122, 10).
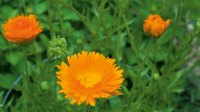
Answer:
(131, 38)
(50, 17)
(118, 47)
(87, 109)
(174, 30)
(23, 7)
(170, 50)
(60, 18)
(26, 81)
(148, 49)
(147, 52)
(82, 17)
(100, 10)
(118, 43)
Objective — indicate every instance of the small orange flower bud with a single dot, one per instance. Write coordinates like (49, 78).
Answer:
(21, 29)
(155, 25)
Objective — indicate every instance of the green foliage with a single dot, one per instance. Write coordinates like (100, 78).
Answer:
(167, 81)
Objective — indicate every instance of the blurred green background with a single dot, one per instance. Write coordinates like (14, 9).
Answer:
(169, 81)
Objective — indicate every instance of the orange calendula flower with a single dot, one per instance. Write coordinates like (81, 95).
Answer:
(89, 76)
(21, 29)
(155, 25)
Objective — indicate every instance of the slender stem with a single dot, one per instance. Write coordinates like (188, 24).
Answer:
(10, 90)
(23, 6)
(118, 43)
(26, 63)
(17, 81)
(174, 30)
(50, 17)
(87, 109)
(60, 18)
(147, 52)
(26, 81)
(81, 16)
(100, 10)
(186, 45)
(170, 50)
(148, 49)
(131, 38)
(118, 47)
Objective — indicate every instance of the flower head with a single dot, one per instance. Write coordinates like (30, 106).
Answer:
(21, 29)
(155, 25)
(89, 76)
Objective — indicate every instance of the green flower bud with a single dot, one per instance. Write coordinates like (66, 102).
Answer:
(156, 76)
(57, 48)
(59, 97)
(44, 85)
(30, 10)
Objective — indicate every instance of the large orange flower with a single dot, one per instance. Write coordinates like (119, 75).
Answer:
(155, 25)
(89, 76)
(21, 29)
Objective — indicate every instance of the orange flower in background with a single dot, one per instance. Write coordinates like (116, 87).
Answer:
(89, 76)
(155, 25)
(21, 29)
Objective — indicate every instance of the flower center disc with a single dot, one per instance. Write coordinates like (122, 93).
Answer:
(89, 79)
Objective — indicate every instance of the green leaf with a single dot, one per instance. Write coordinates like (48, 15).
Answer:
(14, 57)
(7, 80)
(5, 9)
(1, 97)
(40, 8)
(3, 45)
(44, 40)
(115, 102)
(175, 80)
(70, 15)
(1, 109)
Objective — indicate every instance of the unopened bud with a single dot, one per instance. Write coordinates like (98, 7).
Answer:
(57, 48)
(44, 85)
(156, 76)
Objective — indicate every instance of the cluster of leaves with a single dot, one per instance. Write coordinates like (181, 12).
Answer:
(165, 82)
